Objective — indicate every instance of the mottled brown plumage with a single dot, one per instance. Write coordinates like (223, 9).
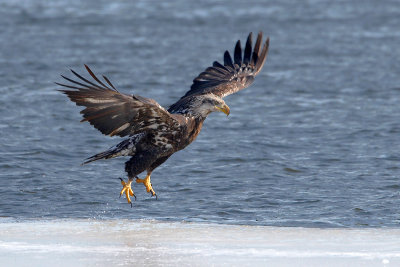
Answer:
(153, 132)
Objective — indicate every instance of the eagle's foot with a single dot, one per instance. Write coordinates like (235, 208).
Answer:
(126, 187)
(147, 184)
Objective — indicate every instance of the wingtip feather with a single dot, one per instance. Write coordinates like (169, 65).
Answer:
(238, 53)
(263, 56)
(228, 59)
(247, 50)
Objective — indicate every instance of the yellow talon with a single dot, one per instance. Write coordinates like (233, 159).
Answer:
(147, 184)
(126, 187)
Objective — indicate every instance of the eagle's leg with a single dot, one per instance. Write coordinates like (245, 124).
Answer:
(147, 184)
(126, 187)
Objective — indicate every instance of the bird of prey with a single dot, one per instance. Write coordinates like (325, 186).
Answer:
(152, 132)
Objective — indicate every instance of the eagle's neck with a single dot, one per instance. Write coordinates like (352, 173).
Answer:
(194, 127)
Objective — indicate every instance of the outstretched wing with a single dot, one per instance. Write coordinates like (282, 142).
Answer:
(113, 113)
(233, 76)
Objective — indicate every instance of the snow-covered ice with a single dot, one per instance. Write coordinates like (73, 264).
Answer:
(142, 243)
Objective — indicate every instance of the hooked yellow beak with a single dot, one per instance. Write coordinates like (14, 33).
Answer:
(224, 109)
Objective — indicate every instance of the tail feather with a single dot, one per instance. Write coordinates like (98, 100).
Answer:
(125, 148)
(102, 155)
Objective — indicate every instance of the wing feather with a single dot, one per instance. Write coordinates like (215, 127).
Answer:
(261, 60)
(256, 51)
(114, 113)
(228, 60)
(94, 86)
(233, 76)
(94, 76)
(238, 54)
(247, 50)
(109, 83)
(221, 67)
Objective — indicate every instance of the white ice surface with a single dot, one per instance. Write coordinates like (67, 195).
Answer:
(150, 243)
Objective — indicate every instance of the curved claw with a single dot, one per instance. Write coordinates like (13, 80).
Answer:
(131, 193)
(153, 194)
(129, 200)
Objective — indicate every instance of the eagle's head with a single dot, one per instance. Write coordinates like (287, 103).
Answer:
(203, 105)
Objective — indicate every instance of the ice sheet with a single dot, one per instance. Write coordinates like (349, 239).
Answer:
(139, 243)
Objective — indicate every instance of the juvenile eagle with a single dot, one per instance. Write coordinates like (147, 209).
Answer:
(154, 133)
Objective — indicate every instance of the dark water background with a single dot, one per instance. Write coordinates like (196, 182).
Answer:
(313, 142)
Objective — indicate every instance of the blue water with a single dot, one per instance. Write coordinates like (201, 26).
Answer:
(313, 142)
